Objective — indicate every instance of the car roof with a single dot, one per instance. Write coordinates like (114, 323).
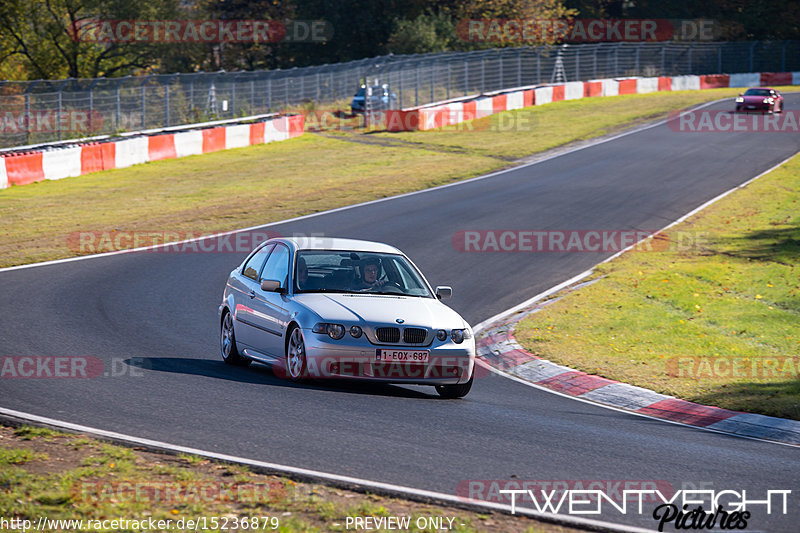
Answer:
(337, 243)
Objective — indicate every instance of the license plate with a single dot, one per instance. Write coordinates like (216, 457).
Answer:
(401, 356)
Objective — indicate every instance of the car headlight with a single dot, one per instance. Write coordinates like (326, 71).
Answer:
(355, 332)
(768, 100)
(458, 335)
(441, 335)
(739, 100)
(334, 331)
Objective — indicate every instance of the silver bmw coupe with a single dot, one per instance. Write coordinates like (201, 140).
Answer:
(344, 309)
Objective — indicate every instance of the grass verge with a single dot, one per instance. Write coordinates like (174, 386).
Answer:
(259, 184)
(61, 476)
(712, 317)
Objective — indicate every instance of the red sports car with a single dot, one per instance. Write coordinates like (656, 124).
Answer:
(760, 100)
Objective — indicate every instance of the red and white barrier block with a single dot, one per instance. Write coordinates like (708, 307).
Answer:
(57, 163)
(438, 116)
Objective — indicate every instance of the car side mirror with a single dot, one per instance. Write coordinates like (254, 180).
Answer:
(270, 285)
(443, 293)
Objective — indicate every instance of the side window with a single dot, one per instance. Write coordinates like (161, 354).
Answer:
(277, 266)
(254, 264)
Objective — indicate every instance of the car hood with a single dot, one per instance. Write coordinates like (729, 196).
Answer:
(378, 309)
(754, 99)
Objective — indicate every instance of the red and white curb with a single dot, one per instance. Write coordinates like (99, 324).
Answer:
(64, 161)
(498, 348)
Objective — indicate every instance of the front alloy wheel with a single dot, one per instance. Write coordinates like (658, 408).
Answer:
(296, 355)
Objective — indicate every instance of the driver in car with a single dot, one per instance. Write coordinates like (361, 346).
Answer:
(369, 275)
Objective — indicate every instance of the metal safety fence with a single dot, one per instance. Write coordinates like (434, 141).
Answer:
(51, 110)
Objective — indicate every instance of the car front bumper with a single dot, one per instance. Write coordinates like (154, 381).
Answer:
(448, 363)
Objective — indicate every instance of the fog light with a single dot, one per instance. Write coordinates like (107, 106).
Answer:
(355, 332)
(441, 335)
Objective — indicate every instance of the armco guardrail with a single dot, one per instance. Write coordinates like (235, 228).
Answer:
(49, 110)
(56, 163)
(53, 163)
(437, 116)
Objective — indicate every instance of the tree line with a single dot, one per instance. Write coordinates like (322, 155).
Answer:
(55, 39)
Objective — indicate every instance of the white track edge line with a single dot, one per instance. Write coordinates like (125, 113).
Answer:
(508, 312)
(517, 308)
(362, 204)
(622, 409)
(314, 474)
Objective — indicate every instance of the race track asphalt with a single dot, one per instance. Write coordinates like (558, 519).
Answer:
(152, 319)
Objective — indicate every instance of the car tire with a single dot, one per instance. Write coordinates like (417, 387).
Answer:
(451, 392)
(227, 343)
(295, 362)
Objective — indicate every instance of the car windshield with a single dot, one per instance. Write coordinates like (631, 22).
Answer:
(360, 92)
(757, 92)
(357, 272)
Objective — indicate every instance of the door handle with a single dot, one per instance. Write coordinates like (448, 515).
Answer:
(252, 294)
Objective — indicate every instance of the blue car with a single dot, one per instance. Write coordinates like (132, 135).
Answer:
(381, 99)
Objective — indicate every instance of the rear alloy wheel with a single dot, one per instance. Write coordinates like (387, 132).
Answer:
(227, 343)
(455, 391)
(296, 367)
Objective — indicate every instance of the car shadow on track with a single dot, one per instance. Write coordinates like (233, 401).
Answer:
(263, 375)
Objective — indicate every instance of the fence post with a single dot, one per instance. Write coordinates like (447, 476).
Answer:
(233, 97)
(519, 67)
(483, 75)
(538, 65)
(500, 85)
(166, 104)
(252, 98)
(416, 88)
(27, 117)
(466, 77)
(400, 88)
(117, 107)
(594, 63)
(433, 75)
(577, 64)
(663, 61)
(143, 106)
(269, 94)
(60, 89)
(783, 57)
(91, 107)
(449, 73)
(689, 58)
(636, 68)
